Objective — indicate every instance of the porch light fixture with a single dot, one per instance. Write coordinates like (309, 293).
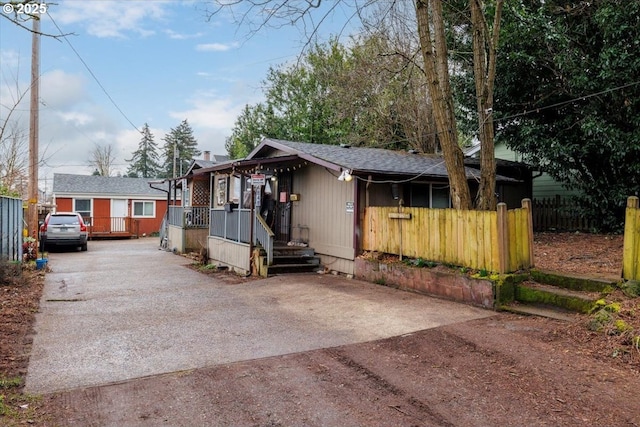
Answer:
(345, 176)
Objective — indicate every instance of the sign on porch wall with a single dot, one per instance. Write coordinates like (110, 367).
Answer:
(257, 179)
(350, 207)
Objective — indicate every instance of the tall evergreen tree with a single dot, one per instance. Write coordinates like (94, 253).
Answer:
(145, 162)
(179, 140)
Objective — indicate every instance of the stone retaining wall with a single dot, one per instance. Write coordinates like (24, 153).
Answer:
(431, 281)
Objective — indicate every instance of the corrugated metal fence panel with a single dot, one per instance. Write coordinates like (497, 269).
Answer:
(11, 225)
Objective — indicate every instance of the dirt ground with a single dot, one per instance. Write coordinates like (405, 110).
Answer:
(503, 370)
(579, 253)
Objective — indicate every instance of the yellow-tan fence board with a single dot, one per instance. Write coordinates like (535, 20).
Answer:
(631, 251)
(465, 238)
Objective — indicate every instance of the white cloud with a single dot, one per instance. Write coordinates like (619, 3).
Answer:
(61, 90)
(11, 59)
(110, 18)
(75, 117)
(215, 47)
(180, 36)
(212, 140)
(210, 112)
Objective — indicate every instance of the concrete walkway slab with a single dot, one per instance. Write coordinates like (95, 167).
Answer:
(125, 309)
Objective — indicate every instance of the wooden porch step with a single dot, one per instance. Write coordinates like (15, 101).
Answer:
(293, 251)
(293, 259)
(296, 259)
(291, 268)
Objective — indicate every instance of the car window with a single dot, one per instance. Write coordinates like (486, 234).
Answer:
(64, 220)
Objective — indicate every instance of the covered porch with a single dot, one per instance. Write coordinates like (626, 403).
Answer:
(250, 227)
(187, 221)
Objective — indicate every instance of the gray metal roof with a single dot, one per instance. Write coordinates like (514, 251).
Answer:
(111, 185)
(365, 159)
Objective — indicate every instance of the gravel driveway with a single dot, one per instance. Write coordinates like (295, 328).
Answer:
(125, 310)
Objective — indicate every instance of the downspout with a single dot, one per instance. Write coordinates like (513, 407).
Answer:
(361, 214)
(168, 201)
(251, 230)
(356, 217)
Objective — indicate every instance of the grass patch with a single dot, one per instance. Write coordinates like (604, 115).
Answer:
(12, 382)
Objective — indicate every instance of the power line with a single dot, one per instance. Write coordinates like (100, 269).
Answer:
(560, 104)
(64, 36)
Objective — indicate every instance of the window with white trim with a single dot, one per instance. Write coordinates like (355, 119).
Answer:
(144, 209)
(83, 207)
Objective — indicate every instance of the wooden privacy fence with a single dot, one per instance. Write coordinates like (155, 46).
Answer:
(558, 213)
(498, 241)
(631, 251)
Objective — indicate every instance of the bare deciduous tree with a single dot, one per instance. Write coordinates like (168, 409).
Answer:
(13, 158)
(434, 52)
(309, 14)
(485, 43)
(102, 159)
(13, 140)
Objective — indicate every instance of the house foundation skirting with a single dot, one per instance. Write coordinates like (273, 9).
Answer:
(341, 265)
(234, 255)
(175, 239)
(450, 285)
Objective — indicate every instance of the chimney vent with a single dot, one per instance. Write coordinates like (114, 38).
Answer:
(207, 155)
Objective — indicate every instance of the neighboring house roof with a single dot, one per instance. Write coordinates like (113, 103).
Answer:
(472, 150)
(202, 164)
(69, 184)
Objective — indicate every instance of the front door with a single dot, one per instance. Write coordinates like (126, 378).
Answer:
(282, 226)
(118, 214)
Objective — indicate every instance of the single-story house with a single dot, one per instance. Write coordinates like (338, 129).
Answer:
(314, 196)
(112, 206)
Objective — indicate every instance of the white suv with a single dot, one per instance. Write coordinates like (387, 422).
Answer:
(63, 229)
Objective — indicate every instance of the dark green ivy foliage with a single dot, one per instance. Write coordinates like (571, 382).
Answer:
(568, 97)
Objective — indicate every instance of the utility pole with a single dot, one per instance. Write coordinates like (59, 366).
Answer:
(175, 156)
(32, 206)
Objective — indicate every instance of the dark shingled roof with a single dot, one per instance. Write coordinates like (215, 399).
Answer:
(100, 185)
(371, 160)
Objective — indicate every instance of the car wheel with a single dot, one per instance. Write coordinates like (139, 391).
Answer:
(84, 247)
(42, 246)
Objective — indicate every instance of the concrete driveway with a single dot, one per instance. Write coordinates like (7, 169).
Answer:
(125, 310)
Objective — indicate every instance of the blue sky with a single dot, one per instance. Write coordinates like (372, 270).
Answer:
(160, 61)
